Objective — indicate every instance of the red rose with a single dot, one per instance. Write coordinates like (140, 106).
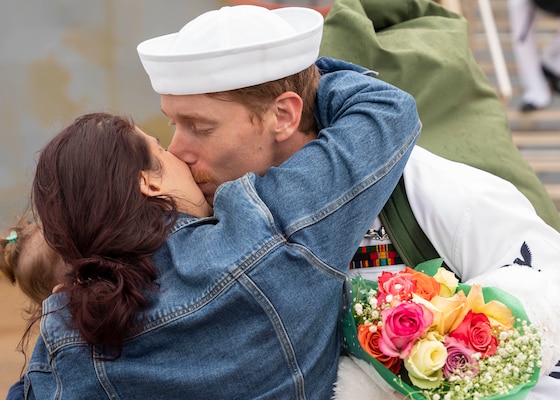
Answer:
(475, 332)
(370, 343)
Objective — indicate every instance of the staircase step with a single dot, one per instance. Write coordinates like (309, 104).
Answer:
(553, 190)
(536, 138)
(543, 161)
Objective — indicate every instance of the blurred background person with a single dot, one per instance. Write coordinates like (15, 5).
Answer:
(539, 72)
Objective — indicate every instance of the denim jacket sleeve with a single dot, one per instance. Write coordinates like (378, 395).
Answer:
(16, 391)
(326, 195)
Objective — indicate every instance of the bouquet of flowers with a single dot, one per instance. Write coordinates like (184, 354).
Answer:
(431, 337)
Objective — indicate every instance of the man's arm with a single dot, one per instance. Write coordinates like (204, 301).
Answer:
(337, 184)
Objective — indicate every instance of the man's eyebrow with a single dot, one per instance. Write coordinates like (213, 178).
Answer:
(187, 116)
(178, 116)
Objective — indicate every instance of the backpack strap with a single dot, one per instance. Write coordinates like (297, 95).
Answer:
(410, 241)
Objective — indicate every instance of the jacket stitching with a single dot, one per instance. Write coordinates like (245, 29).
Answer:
(281, 333)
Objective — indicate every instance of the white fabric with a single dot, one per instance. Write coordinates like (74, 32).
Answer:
(357, 379)
(551, 54)
(232, 48)
(547, 388)
(479, 224)
(488, 232)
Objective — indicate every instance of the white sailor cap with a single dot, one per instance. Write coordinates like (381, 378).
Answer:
(232, 48)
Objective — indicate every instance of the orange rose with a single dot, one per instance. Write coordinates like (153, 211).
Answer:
(426, 286)
(370, 343)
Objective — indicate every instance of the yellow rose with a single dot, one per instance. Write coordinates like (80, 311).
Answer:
(452, 310)
(498, 313)
(448, 311)
(425, 362)
(448, 282)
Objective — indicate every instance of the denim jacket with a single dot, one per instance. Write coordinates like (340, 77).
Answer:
(249, 299)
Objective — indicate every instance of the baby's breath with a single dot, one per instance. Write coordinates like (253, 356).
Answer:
(366, 311)
(513, 364)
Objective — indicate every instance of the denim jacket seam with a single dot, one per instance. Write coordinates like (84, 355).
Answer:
(187, 220)
(55, 346)
(39, 367)
(59, 388)
(269, 309)
(318, 263)
(52, 345)
(220, 286)
(102, 378)
(370, 180)
(229, 279)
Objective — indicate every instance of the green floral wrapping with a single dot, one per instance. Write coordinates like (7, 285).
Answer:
(400, 382)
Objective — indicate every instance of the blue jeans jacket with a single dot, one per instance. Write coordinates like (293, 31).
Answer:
(249, 300)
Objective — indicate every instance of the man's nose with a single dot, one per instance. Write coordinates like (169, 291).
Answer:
(182, 147)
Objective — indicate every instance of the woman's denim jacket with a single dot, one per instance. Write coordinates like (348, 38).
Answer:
(249, 300)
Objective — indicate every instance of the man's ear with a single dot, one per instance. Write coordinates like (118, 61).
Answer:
(147, 185)
(289, 106)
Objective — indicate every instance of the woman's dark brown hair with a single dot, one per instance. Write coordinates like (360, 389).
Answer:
(86, 192)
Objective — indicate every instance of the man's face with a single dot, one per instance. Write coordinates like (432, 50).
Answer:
(218, 139)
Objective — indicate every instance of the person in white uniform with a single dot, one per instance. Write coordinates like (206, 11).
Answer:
(487, 232)
(538, 72)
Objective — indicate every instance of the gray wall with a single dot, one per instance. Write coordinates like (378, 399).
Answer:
(62, 58)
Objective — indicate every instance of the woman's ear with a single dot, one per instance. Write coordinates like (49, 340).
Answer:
(289, 106)
(147, 185)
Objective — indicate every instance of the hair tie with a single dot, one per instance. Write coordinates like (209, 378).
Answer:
(12, 237)
(84, 282)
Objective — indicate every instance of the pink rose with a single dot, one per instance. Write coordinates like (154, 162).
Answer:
(402, 325)
(459, 358)
(395, 288)
(475, 332)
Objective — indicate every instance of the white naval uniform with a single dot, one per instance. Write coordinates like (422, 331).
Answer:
(487, 232)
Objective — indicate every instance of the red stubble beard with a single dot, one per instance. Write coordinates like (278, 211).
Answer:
(207, 183)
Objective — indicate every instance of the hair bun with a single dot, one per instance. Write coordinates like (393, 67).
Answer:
(97, 268)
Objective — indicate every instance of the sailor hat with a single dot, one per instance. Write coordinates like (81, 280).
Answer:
(231, 48)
